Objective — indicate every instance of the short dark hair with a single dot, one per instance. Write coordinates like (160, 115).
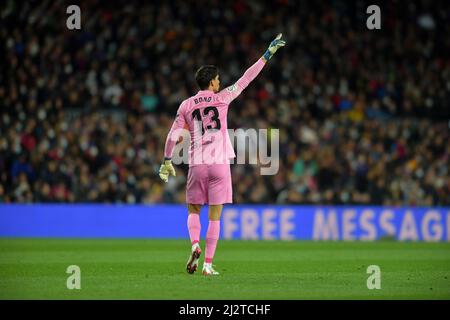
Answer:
(205, 74)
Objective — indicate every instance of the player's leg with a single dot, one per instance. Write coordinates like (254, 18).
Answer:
(212, 237)
(194, 228)
(220, 192)
(193, 223)
(196, 194)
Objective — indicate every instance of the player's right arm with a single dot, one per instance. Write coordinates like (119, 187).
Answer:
(232, 92)
(179, 123)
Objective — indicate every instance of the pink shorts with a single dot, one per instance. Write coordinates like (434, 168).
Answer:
(209, 184)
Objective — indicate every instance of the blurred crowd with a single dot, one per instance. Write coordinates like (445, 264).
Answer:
(363, 114)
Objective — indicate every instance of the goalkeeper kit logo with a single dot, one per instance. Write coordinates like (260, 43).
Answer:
(232, 88)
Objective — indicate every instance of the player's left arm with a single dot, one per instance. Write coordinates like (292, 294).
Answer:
(178, 125)
(232, 92)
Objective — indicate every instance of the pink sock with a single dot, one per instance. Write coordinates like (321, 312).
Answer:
(212, 235)
(194, 227)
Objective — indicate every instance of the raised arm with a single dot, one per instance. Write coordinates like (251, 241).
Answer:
(232, 92)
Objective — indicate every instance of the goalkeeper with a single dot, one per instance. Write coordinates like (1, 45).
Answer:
(209, 180)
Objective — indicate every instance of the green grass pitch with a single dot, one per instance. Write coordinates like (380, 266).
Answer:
(155, 269)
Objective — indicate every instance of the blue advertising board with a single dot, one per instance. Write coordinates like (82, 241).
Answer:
(246, 222)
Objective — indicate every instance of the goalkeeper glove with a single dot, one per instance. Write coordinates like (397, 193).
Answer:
(166, 170)
(276, 44)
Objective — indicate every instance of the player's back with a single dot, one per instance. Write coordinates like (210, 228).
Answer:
(206, 117)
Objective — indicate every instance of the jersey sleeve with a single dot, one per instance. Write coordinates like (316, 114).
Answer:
(232, 92)
(175, 132)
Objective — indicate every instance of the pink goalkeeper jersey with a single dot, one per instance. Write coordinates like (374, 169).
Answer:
(205, 115)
